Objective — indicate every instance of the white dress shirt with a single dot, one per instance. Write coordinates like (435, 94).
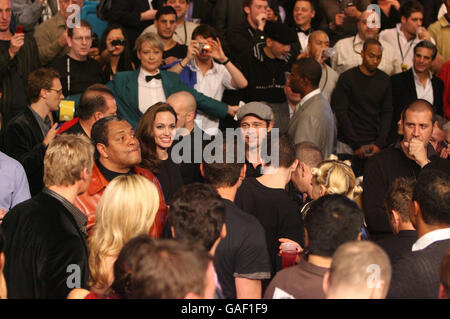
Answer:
(307, 97)
(431, 237)
(424, 92)
(149, 92)
(303, 39)
(403, 48)
(348, 55)
(212, 84)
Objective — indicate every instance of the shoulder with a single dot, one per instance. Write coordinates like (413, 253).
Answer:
(343, 43)
(78, 293)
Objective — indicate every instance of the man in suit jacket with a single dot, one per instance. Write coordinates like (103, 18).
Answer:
(138, 90)
(417, 274)
(313, 120)
(28, 134)
(284, 111)
(416, 83)
(45, 235)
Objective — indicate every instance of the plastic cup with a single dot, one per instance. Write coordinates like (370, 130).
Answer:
(288, 254)
(19, 29)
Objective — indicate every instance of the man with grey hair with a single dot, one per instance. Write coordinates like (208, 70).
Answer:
(46, 235)
(359, 270)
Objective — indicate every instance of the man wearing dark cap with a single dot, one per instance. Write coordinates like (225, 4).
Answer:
(255, 120)
(313, 119)
(265, 68)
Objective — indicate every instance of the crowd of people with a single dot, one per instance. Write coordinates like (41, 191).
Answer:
(177, 152)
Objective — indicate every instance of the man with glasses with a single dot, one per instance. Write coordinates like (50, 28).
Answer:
(51, 35)
(28, 135)
(77, 70)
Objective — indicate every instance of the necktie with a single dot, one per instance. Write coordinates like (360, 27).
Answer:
(148, 78)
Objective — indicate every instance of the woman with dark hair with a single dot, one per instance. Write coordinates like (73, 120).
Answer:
(155, 132)
(115, 51)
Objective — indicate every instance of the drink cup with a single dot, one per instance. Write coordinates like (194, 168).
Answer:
(19, 29)
(288, 254)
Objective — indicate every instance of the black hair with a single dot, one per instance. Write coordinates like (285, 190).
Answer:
(426, 44)
(310, 69)
(165, 10)
(91, 102)
(371, 41)
(409, 7)
(331, 221)
(205, 31)
(432, 193)
(99, 131)
(197, 214)
(125, 60)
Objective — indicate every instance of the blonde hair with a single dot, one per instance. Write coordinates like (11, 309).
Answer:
(66, 157)
(337, 177)
(152, 39)
(126, 209)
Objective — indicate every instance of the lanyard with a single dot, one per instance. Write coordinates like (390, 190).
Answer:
(68, 76)
(400, 47)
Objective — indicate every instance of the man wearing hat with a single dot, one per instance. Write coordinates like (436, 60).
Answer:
(255, 120)
(265, 68)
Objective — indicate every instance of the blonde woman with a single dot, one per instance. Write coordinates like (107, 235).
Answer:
(126, 209)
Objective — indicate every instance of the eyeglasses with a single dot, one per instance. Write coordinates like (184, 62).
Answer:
(59, 92)
(79, 39)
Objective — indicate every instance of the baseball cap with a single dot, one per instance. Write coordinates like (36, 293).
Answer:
(279, 32)
(261, 110)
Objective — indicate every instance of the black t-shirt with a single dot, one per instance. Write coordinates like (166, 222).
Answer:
(179, 51)
(82, 74)
(243, 252)
(75, 129)
(277, 212)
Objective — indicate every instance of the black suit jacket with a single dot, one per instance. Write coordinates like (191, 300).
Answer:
(404, 92)
(42, 241)
(23, 142)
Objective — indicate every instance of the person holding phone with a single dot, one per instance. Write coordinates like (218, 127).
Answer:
(115, 51)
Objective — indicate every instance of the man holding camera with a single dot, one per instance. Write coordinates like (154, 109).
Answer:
(214, 72)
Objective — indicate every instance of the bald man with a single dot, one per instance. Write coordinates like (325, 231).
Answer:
(188, 147)
(359, 270)
(318, 45)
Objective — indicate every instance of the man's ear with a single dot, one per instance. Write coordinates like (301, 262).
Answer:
(270, 127)
(2, 261)
(190, 116)
(359, 237)
(323, 190)
(294, 165)
(97, 116)
(247, 10)
(101, 148)
(243, 172)
(223, 232)
(414, 212)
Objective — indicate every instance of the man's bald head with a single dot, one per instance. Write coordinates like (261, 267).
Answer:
(184, 105)
(316, 33)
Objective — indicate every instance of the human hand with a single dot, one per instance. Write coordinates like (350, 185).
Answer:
(395, 3)
(352, 12)
(373, 150)
(2, 214)
(298, 248)
(93, 52)
(232, 109)
(217, 51)
(304, 54)
(417, 150)
(193, 50)
(261, 21)
(50, 134)
(360, 152)
(339, 19)
(170, 59)
(271, 15)
(445, 153)
(423, 34)
(17, 41)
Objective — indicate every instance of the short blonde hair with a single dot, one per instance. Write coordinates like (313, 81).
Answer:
(337, 177)
(126, 209)
(66, 157)
(152, 39)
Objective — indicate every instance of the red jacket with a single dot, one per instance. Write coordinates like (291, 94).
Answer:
(444, 74)
(87, 202)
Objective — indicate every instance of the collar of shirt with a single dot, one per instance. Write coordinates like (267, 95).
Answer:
(431, 237)
(80, 218)
(308, 96)
(152, 83)
(417, 81)
(44, 124)
(194, 67)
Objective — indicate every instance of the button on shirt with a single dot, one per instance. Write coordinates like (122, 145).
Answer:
(212, 84)
(424, 92)
(431, 237)
(149, 92)
(348, 55)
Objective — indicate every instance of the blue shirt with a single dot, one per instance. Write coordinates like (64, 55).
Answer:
(14, 187)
